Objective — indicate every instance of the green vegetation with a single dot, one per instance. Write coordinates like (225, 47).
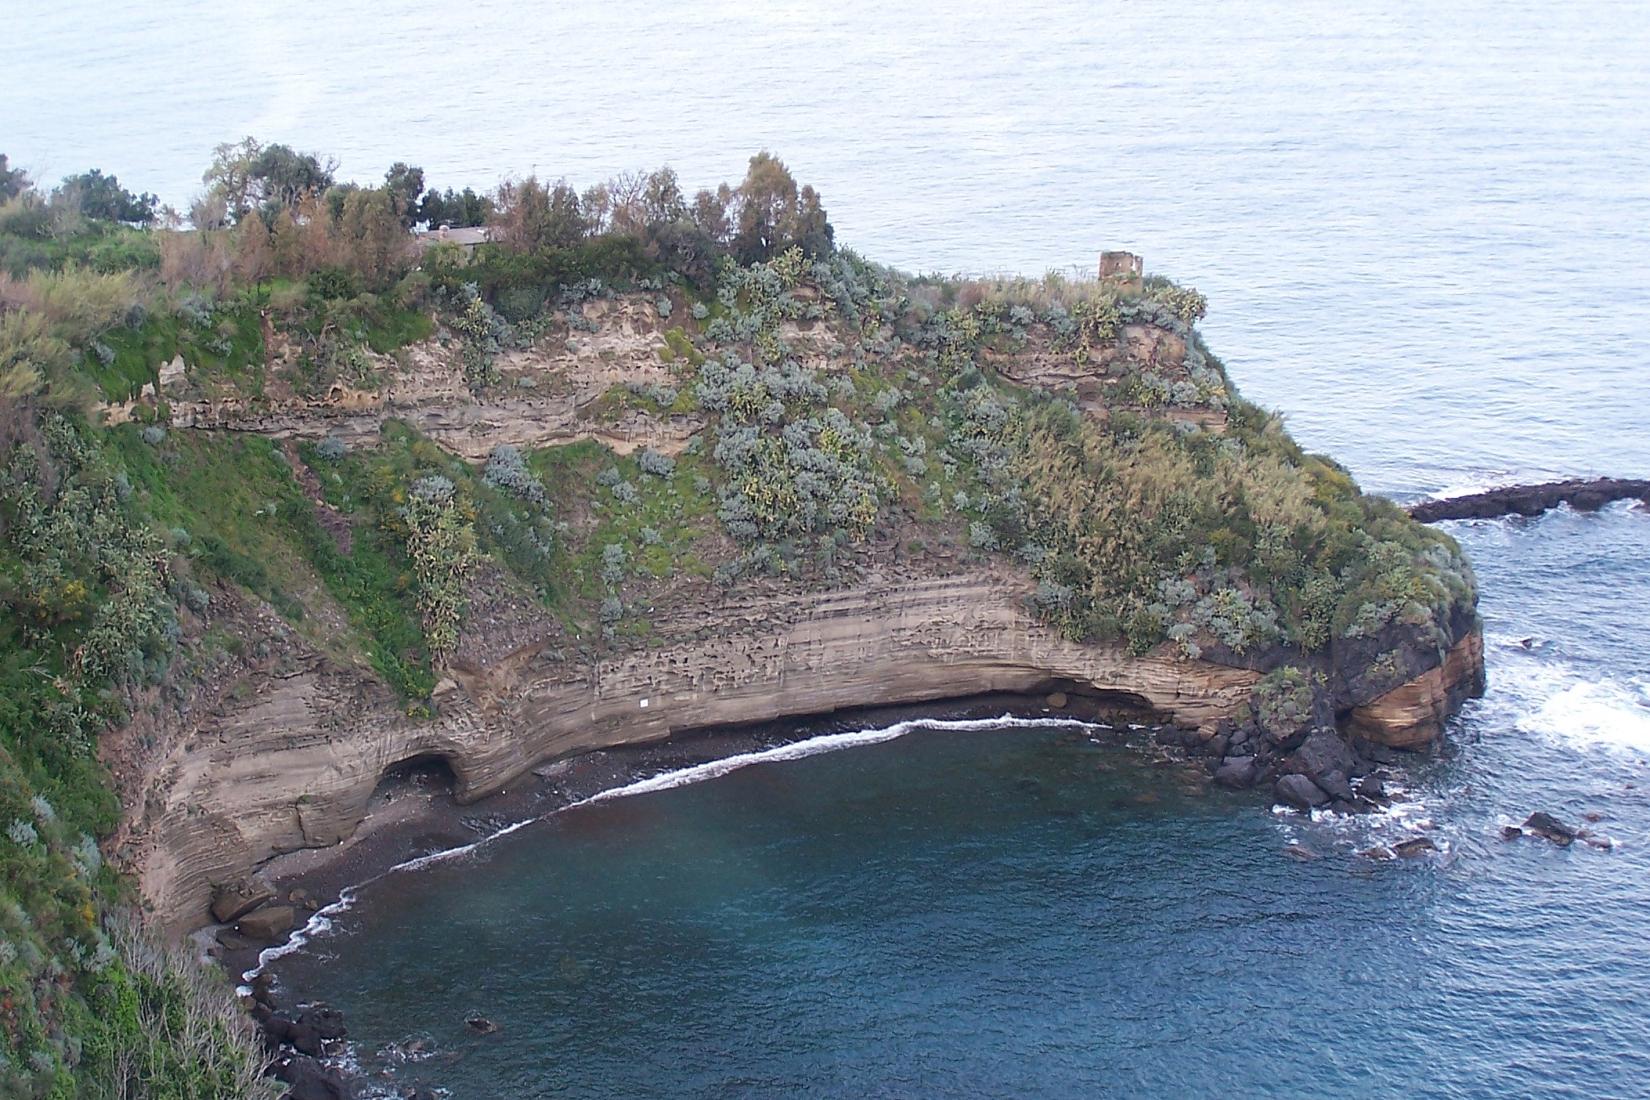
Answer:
(92, 598)
(853, 415)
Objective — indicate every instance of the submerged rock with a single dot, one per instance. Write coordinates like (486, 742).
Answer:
(1414, 846)
(1544, 824)
(481, 1025)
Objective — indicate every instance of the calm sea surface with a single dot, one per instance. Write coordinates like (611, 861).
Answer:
(1425, 232)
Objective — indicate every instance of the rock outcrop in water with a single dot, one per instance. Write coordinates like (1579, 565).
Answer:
(1582, 494)
(283, 746)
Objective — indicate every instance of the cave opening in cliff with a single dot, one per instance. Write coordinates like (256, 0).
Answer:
(1085, 700)
(429, 771)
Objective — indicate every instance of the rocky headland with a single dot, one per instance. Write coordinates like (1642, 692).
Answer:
(281, 745)
(1582, 494)
(302, 510)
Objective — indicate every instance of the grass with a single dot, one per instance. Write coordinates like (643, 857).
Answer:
(670, 506)
(231, 353)
(249, 522)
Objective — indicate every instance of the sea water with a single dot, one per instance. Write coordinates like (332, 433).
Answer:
(1425, 233)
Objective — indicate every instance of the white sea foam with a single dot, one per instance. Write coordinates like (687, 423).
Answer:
(1471, 482)
(320, 923)
(1593, 712)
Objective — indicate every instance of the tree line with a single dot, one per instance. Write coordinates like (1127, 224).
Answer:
(275, 210)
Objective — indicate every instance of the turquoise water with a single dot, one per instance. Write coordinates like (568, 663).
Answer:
(1027, 911)
(1425, 232)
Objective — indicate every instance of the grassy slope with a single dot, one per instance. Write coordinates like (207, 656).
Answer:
(1135, 530)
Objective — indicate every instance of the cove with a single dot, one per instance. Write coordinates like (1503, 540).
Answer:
(1012, 911)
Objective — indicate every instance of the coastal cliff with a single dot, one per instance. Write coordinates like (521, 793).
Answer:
(301, 500)
(281, 746)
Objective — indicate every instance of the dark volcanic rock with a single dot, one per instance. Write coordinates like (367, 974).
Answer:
(1299, 792)
(327, 1021)
(308, 1079)
(234, 900)
(1546, 825)
(1529, 500)
(1237, 772)
(1324, 751)
(1334, 784)
(303, 1034)
(1414, 846)
(481, 1025)
(1511, 832)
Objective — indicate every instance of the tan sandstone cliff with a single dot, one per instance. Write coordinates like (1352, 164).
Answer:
(283, 750)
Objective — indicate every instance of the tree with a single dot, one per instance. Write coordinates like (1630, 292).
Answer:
(774, 215)
(281, 176)
(530, 217)
(247, 175)
(13, 181)
(457, 209)
(229, 180)
(405, 183)
(710, 213)
(102, 198)
(662, 201)
(253, 250)
(375, 238)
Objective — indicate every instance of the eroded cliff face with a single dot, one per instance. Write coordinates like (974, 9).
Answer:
(281, 746)
(548, 396)
(292, 760)
(286, 753)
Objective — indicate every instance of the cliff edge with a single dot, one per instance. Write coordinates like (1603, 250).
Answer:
(825, 486)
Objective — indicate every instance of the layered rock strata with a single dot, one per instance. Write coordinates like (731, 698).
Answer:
(294, 762)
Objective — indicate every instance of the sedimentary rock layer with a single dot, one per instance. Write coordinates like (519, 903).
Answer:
(294, 763)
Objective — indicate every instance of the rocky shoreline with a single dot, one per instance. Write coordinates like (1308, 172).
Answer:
(1304, 762)
(418, 813)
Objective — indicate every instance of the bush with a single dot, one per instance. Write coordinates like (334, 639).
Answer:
(441, 544)
(506, 469)
(652, 462)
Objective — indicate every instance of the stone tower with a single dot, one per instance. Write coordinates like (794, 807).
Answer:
(1123, 268)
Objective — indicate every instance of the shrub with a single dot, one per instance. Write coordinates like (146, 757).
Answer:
(652, 462)
(441, 544)
(614, 560)
(506, 469)
(1283, 701)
